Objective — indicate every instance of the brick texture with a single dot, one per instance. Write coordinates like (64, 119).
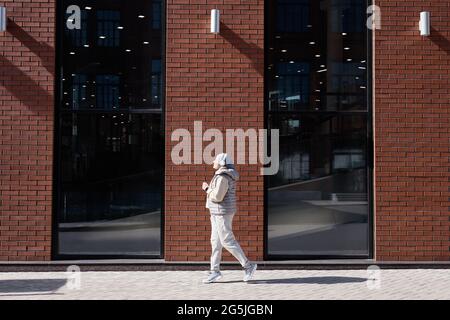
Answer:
(26, 129)
(216, 79)
(412, 131)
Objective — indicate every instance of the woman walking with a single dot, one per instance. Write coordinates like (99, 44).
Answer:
(221, 202)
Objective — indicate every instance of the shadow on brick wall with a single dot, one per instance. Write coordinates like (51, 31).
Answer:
(42, 50)
(441, 41)
(254, 53)
(23, 87)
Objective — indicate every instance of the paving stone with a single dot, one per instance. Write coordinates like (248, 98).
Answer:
(267, 284)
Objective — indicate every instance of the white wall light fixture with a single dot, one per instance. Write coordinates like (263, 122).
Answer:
(215, 21)
(424, 23)
(2, 19)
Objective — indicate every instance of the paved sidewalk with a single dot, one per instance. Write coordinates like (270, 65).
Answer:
(267, 284)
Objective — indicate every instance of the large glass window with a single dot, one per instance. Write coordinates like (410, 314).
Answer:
(317, 96)
(110, 137)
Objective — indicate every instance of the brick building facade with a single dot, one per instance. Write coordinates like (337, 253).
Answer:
(219, 79)
(27, 125)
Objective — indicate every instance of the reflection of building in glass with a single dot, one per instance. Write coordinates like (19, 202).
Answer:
(107, 93)
(156, 91)
(347, 15)
(292, 84)
(110, 143)
(108, 32)
(99, 48)
(292, 15)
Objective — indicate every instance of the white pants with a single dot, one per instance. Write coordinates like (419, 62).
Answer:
(222, 237)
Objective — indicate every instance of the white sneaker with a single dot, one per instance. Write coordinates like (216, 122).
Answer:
(213, 277)
(249, 272)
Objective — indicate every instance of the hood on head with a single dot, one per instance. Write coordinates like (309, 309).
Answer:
(230, 171)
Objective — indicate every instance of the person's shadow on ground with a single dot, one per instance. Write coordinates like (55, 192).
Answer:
(30, 286)
(304, 280)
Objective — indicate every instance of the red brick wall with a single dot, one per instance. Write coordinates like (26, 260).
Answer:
(26, 129)
(217, 79)
(412, 131)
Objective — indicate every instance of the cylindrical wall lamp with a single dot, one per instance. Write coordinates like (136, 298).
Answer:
(215, 21)
(424, 23)
(2, 19)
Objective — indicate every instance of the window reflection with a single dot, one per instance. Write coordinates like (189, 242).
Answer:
(107, 91)
(318, 55)
(292, 84)
(118, 41)
(108, 34)
(110, 136)
(157, 14)
(111, 184)
(292, 15)
(317, 98)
